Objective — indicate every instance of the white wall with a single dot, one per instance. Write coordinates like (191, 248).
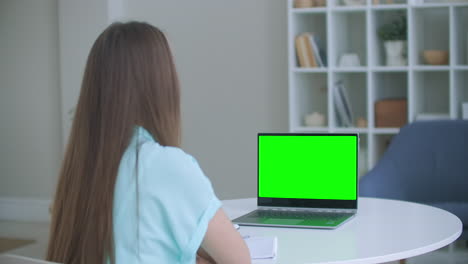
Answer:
(80, 23)
(30, 132)
(231, 58)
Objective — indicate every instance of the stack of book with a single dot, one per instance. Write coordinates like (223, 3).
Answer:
(344, 113)
(309, 52)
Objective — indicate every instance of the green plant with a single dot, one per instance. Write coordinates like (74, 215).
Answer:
(395, 30)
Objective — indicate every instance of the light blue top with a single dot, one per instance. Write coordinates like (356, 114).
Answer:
(175, 204)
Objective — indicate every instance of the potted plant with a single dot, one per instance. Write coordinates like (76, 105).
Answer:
(393, 36)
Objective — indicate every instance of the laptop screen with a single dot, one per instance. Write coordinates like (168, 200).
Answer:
(296, 168)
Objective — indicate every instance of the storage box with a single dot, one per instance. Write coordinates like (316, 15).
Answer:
(391, 113)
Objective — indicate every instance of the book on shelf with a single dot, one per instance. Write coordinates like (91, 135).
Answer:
(309, 52)
(321, 50)
(344, 112)
(304, 51)
(316, 50)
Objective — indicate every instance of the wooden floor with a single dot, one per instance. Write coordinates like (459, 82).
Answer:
(38, 233)
(7, 244)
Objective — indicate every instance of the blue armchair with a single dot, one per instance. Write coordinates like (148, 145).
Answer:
(427, 162)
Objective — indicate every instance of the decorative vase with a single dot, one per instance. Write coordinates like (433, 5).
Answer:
(395, 51)
(314, 119)
(349, 60)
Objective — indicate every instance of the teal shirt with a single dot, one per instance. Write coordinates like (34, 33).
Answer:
(162, 215)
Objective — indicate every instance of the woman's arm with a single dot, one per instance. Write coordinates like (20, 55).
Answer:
(223, 243)
(203, 257)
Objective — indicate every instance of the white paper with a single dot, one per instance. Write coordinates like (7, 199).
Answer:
(262, 247)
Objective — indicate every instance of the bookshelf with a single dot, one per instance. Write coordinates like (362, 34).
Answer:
(428, 89)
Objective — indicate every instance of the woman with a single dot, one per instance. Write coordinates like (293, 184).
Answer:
(126, 192)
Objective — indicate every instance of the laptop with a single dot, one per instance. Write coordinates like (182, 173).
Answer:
(305, 180)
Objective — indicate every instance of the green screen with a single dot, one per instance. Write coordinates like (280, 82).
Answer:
(307, 166)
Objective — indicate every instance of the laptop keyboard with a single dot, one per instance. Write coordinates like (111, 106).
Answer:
(301, 214)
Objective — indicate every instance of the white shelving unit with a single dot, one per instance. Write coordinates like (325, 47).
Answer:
(428, 89)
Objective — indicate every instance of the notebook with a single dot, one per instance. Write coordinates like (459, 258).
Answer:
(262, 247)
(305, 180)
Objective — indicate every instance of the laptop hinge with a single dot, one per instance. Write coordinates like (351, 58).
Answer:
(329, 210)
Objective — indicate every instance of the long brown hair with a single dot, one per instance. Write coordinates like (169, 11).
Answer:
(130, 79)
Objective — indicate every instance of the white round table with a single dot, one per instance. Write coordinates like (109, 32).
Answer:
(383, 230)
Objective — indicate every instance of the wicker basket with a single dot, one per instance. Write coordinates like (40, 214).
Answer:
(303, 3)
(391, 113)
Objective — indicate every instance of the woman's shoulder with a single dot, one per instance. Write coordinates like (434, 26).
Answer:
(154, 155)
(170, 172)
(167, 165)
(151, 153)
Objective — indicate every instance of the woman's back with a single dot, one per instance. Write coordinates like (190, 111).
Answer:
(126, 192)
(162, 207)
